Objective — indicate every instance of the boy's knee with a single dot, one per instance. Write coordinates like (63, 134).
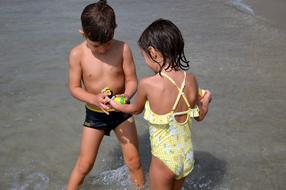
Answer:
(133, 162)
(84, 167)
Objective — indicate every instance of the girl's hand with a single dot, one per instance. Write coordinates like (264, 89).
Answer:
(204, 105)
(207, 97)
(112, 103)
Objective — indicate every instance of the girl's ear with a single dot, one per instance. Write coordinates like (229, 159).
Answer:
(153, 52)
(155, 55)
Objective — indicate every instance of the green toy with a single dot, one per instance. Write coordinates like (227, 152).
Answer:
(120, 99)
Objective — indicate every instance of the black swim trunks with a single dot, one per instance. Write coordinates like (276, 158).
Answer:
(102, 121)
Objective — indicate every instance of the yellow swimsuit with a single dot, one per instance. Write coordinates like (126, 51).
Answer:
(171, 140)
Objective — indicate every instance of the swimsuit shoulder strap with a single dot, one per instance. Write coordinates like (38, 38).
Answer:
(180, 89)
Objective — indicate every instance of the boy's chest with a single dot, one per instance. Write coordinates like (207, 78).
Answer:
(95, 68)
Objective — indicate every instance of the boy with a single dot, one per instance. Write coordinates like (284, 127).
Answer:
(98, 62)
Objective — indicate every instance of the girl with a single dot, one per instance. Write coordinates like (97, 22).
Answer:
(171, 99)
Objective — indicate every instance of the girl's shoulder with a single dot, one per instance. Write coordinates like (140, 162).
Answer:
(149, 83)
(151, 80)
(191, 79)
(190, 75)
(191, 88)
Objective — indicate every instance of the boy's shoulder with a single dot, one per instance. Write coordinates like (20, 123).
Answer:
(120, 44)
(76, 52)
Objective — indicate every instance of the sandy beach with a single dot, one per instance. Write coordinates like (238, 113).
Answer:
(237, 50)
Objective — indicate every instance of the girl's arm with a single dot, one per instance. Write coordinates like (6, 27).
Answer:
(138, 105)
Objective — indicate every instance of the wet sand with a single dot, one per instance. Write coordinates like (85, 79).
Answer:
(238, 55)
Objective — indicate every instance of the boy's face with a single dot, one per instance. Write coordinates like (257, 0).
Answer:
(97, 47)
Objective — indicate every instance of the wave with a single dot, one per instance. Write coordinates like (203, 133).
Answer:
(243, 7)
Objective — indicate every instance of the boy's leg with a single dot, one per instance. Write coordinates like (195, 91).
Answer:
(127, 136)
(90, 141)
(161, 177)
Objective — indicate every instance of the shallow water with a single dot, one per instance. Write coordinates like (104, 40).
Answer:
(234, 52)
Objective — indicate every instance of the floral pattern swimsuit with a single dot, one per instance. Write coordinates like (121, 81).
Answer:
(171, 140)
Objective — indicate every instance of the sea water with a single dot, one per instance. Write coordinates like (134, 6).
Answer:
(40, 126)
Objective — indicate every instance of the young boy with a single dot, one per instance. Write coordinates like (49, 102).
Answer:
(98, 62)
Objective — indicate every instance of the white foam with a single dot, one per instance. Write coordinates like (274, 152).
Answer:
(117, 176)
(243, 6)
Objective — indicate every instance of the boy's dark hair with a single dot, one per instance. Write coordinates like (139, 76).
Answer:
(98, 21)
(165, 37)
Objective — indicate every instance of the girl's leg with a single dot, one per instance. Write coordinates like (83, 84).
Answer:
(161, 177)
(178, 184)
(90, 141)
(127, 136)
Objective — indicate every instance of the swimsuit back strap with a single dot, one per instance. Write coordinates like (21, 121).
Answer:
(181, 90)
(170, 79)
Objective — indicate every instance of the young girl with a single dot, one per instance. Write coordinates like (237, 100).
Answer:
(171, 99)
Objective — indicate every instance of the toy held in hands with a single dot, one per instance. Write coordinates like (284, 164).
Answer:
(119, 99)
(108, 91)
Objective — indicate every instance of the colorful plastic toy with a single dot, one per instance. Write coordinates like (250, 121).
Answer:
(116, 98)
(120, 99)
(109, 91)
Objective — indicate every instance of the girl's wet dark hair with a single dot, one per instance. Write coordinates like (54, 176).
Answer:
(98, 21)
(165, 37)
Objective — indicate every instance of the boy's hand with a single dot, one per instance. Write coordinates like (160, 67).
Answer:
(101, 102)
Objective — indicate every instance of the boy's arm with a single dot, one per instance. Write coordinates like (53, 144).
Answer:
(75, 76)
(139, 103)
(129, 72)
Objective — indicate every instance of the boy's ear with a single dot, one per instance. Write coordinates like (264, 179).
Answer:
(81, 32)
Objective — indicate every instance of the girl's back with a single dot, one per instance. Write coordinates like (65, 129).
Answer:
(162, 93)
